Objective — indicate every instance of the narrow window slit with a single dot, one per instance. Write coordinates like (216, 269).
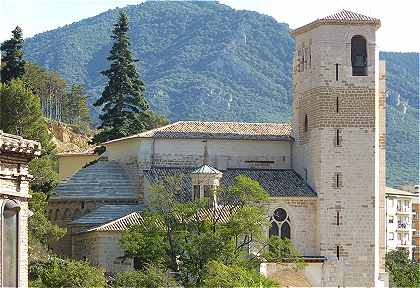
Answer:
(337, 138)
(338, 218)
(336, 105)
(336, 72)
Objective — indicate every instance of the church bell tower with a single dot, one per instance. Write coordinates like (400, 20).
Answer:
(335, 87)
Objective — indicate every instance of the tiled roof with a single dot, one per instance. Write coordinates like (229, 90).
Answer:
(107, 213)
(218, 130)
(206, 169)
(135, 218)
(17, 144)
(345, 15)
(341, 17)
(278, 183)
(102, 180)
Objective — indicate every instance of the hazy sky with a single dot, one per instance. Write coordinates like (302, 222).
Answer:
(400, 19)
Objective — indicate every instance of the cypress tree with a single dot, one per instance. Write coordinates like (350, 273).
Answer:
(13, 66)
(123, 103)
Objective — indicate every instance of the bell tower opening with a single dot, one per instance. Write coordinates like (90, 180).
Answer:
(358, 56)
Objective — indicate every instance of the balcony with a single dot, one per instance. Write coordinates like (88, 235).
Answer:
(405, 244)
(404, 225)
(404, 210)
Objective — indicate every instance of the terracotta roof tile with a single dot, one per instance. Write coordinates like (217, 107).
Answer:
(135, 218)
(341, 17)
(218, 130)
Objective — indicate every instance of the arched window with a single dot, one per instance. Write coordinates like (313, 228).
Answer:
(358, 56)
(10, 232)
(280, 224)
(305, 127)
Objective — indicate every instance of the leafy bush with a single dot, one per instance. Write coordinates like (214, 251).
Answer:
(151, 277)
(231, 276)
(57, 273)
(403, 271)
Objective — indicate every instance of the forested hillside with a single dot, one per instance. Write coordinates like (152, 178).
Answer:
(206, 61)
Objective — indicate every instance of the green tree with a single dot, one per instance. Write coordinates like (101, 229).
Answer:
(403, 271)
(12, 57)
(41, 231)
(21, 114)
(76, 110)
(151, 277)
(232, 276)
(122, 100)
(194, 234)
(57, 272)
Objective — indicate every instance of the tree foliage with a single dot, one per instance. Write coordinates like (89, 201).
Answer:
(206, 61)
(122, 100)
(40, 228)
(57, 101)
(21, 114)
(57, 272)
(151, 277)
(200, 242)
(13, 65)
(232, 276)
(403, 271)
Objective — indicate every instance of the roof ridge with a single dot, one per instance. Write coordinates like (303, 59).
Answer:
(343, 16)
(232, 122)
(104, 225)
(142, 133)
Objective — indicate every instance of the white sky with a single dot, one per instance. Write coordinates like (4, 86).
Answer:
(399, 31)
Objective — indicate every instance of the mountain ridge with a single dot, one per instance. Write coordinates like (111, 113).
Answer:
(207, 61)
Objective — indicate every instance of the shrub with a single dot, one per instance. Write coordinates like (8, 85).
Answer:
(152, 277)
(57, 272)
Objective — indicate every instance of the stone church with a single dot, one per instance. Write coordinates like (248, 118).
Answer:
(324, 171)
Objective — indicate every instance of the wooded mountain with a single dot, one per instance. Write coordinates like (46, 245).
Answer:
(207, 61)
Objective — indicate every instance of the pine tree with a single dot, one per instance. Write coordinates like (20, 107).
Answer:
(123, 97)
(13, 66)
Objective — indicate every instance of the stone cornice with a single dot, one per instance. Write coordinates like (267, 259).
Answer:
(16, 144)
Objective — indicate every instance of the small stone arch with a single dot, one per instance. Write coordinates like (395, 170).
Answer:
(67, 214)
(57, 214)
(359, 57)
(76, 214)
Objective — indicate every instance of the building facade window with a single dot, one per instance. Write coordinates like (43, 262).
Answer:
(196, 192)
(358, 56)
(337, 105)
(10, 232)
(391, 236)
(338, 179)
(207, 191)
(338, 252)
(391, 219)
(280, 224)
(306, 124)
(338, 218)
(336, 72)
(337, 137)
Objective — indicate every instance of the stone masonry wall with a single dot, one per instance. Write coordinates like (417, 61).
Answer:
(346, 214)
(302, 213)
